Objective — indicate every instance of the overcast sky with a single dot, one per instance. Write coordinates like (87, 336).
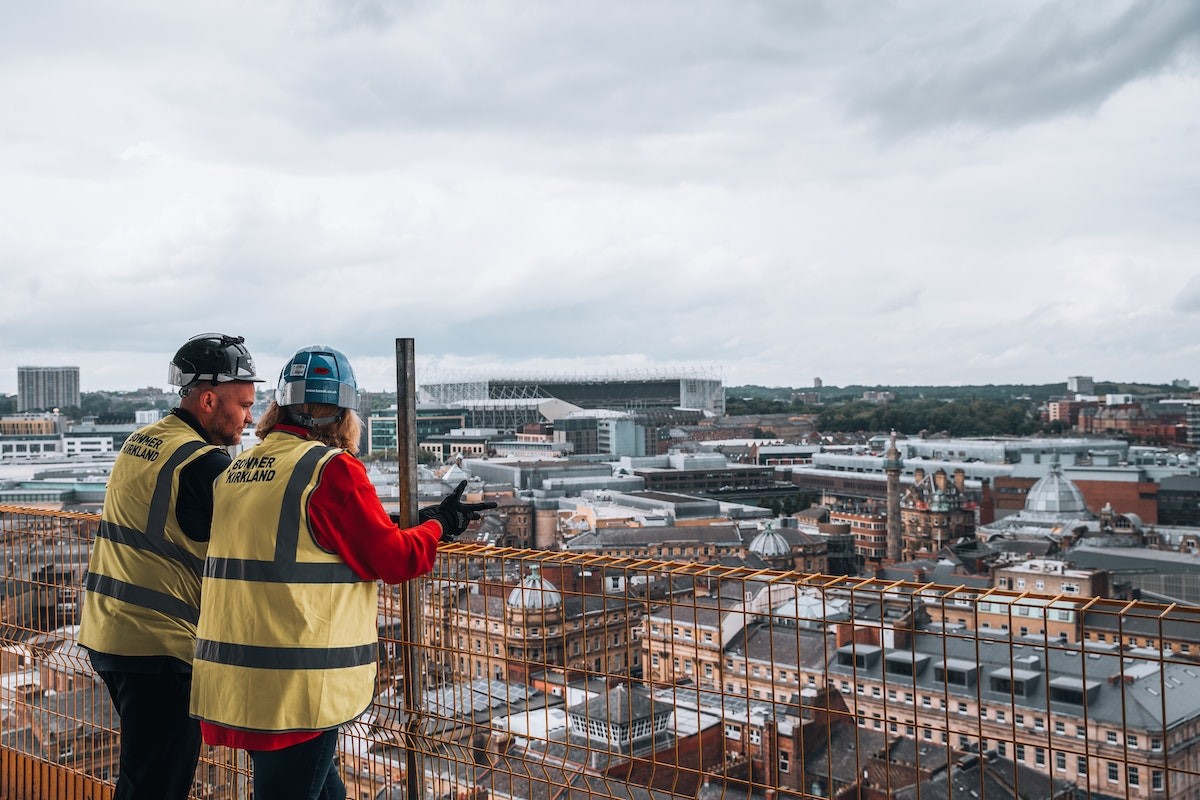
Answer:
(897, 193)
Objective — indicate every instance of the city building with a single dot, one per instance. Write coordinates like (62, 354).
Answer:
(47, 388)
(1080, 713)
(1052, 509)
(1179, 501)
(868, 525)
(32, 434)
(1081, 384)
(700, 473)
(531, 629)
(935, 512)
(692, 543)
(604, 432)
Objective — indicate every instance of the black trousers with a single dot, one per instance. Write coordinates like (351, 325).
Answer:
(304, 771)
(160, 743)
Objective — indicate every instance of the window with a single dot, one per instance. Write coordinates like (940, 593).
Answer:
(1081, 766)
(1156, 744)
(1133, 776)
(1039, 756)
(755, 736)
(1019, 751)
(1000, 715)
(1060, 762)
(962, 708)
(1002, 749)
(1060, 727)
(1019, 719)
(1131, 741)
(1110, 737)
(783, 760)
(1156, 780)
(1114, 774)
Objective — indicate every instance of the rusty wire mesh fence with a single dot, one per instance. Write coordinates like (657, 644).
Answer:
(545, 675)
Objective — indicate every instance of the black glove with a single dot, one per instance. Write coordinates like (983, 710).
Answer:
(453, 514)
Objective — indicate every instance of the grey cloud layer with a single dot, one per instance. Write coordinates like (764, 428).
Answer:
(934, 192)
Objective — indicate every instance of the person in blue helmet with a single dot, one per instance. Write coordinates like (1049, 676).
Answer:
(286, 643)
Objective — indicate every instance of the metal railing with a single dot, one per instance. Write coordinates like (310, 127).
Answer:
(546, 675)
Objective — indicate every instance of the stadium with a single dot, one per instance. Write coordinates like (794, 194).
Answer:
(656, 397)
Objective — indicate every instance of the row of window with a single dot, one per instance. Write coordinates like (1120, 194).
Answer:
(1132, 741)
(1038, 585)
(1021, 754)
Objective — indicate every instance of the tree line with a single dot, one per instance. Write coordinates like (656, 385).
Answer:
(978, 417)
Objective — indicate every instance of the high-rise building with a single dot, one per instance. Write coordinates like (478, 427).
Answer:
(47, 388)
(1081, 384)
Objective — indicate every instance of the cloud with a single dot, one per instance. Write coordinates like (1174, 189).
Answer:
(1187, 301)
(925, 193)
(1011, 69)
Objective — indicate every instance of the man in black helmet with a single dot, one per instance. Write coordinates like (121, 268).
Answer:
(142, 595)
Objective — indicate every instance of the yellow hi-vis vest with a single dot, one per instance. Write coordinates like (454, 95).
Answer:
(142, 587)
(288, 634)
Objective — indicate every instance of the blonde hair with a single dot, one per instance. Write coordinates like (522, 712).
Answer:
(345, 433)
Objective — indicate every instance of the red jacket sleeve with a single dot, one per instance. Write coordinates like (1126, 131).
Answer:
(346, 517)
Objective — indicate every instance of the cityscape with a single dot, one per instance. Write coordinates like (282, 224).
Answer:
(685, 591)
(823, 372)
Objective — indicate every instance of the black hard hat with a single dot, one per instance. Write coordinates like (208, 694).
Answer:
(212, 357)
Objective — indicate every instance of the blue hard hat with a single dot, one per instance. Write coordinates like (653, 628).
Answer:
(317, 374)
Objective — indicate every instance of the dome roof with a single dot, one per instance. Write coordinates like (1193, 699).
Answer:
(770, 544)
(534, 592)
(1055, 494)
